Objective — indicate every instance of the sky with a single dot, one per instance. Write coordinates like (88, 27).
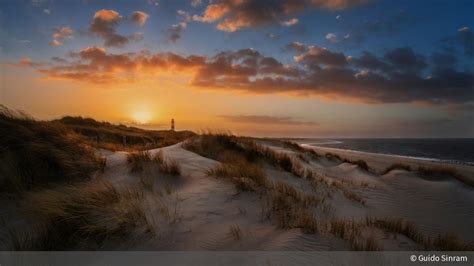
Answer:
(276, 68)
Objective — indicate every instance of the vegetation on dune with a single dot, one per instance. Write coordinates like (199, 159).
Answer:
(86, 215)
(442, 242)
(37, 154)
(120, 137)
(225, 147)
(138, 160)
(167, 166)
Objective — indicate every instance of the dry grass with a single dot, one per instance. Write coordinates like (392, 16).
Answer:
(360, 163)
(446, 242)
(347, 193)
(235, 232)
(86, 215)
(450, 242)
(307, 222)
(137, 159)
(350, 230)
(167, 166)
(399, 226)
(225, 147)
(246, 176)
(39, 154)
(290, 207)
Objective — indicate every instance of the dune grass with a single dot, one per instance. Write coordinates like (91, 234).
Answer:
(85, 215)
(451, 242)
(225, 146)
(246, 176)
(235, 232)
(442, 242)
(399, 226)
(165, 165)
(347, 193)
(40, 154)
(137, 161)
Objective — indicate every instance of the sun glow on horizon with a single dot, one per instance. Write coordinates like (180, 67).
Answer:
(142, 117)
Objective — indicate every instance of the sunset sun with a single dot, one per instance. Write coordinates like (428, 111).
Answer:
(141, 117)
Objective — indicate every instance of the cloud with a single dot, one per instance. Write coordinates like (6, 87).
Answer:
(175, 31)
(331, 37)
(290, 22)
(61, 34)
(140, 18)
(196, 3)
(233, 15)
(47, 11)
(405, 59)
(104, 25)
(316, 56)
(295, 46)
(397, 76)
(154, 2)
(105, 22)
(265, 120)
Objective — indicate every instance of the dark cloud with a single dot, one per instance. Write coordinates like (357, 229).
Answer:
(394, 77)
(404, 59)
(175, 31)
(232, 15)
(317, 56)
(272, 120)
(372, 62)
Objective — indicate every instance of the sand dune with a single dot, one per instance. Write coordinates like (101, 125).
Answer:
(214, 215)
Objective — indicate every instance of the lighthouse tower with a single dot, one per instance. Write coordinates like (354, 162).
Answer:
(172, 124)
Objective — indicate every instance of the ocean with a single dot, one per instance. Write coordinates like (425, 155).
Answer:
(460, 151)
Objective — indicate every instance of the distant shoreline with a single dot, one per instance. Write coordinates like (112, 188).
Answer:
(380, 161)
(454, 162)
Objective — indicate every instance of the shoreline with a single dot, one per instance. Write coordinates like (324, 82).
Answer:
(380, 161)
(453, 162)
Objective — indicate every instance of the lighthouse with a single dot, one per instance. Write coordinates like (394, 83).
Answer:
(172, 124)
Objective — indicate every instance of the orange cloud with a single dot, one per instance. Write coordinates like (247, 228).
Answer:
(61, 34)
(107, 15)
(139, 17)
